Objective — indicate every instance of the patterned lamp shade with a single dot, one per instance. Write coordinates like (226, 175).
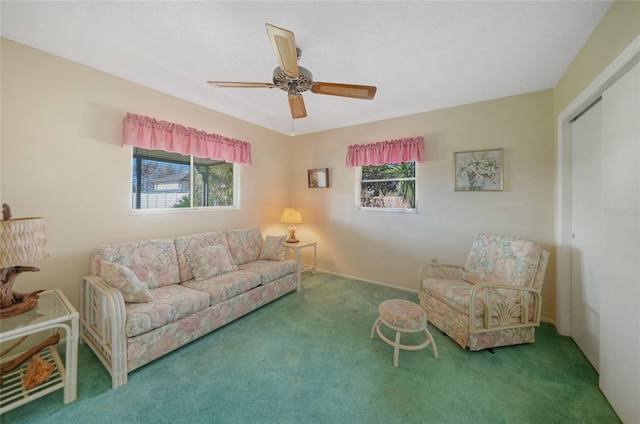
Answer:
(22, 241)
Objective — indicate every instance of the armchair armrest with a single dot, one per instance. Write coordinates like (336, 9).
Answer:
(505, 306)
(103, 326)
(443, 272)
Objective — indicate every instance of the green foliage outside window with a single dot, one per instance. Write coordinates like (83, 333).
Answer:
(389, 186)
(212, 186)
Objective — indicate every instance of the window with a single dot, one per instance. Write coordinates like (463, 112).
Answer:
(388, 186)
(163, 180)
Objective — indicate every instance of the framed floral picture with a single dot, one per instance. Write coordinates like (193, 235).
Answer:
(478, 170)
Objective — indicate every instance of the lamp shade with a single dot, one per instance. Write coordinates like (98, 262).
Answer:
(291, 216)
(22, 241)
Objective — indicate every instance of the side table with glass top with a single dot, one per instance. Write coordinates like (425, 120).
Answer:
(53, 313)
(296, 247)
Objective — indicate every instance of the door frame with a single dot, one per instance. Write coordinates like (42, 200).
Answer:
(620, 65)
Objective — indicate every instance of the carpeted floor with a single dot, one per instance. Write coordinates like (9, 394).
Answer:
(308, 358)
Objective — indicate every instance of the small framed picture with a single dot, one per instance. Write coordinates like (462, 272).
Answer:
(318, 178)
(478, 170)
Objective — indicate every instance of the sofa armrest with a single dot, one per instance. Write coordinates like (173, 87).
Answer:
(442, 272)
(103, 326)
(505, 307)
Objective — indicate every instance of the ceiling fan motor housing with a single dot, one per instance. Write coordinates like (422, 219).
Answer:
(294, 79)
(298, 85)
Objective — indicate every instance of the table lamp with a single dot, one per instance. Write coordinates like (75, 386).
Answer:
(22, 241)
(291, 216)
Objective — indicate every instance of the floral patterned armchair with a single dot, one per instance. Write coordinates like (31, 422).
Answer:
(494, 299)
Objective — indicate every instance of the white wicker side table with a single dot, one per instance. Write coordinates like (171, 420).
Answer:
(296, 247)
(53, 313)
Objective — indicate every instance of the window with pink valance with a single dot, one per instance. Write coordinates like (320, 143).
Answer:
(394, 151)
(152, 134)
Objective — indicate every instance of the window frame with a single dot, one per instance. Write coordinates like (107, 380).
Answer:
(235, 203)
(359, 182)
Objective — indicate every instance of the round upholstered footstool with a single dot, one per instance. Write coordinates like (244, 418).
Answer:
(403, 316)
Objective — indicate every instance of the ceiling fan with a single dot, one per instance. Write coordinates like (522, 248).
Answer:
(295, 79)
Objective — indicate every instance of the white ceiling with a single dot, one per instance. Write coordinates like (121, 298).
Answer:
(422, 56)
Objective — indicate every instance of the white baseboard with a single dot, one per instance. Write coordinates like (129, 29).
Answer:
(380, 283)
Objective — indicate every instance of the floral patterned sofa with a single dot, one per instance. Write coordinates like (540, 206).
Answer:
(494, 299)
(147, 298)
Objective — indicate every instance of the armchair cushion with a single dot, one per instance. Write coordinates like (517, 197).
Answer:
(454, 293)
(502, 260)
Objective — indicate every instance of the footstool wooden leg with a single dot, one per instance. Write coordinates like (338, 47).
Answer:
(432, 342)
(373, 329)
(396, 349)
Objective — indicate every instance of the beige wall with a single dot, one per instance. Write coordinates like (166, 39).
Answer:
(63, 159)
(619, 26)
(388, 247)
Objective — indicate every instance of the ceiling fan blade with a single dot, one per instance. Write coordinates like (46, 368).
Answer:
(296, 104)
(240, 84)
(284, 43)
(344, 90)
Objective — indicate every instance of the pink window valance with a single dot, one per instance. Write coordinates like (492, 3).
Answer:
(394, 151)
(149, 133)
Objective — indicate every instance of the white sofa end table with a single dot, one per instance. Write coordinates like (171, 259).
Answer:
(295, 248)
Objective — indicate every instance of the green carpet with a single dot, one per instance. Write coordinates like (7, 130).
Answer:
(308, 358)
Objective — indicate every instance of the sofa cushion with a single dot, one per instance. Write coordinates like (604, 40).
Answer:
(210, 261)
(154, 262)
(186, 244)
(270, 270)
(501, 260)
(123, 279)
(245, 244)
(225, 286)
(170, 303)
(272, 248)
